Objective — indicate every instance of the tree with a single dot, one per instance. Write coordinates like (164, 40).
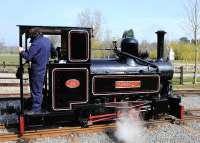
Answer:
(192, 11)
(87, 18)
(128, 33)
(93, 19)
(144, 48)
(184, 40)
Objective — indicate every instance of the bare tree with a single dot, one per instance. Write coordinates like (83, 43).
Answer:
(93, 19)
(87, 18)
(192, 14)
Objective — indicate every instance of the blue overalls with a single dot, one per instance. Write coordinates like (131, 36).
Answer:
(38, 54)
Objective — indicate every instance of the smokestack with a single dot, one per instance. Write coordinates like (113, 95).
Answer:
(160, 44)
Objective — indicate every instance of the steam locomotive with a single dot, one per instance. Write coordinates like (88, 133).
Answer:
(84, 90)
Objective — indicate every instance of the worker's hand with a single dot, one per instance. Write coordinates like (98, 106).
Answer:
(21, 49)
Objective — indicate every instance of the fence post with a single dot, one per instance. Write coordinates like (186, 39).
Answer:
(181, 75)
(4, 65)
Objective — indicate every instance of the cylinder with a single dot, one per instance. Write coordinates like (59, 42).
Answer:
(160, 44)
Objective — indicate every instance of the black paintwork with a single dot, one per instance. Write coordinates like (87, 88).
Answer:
(130, 45)
(131, 66)
(61, 96)
(160, 44)
(155, 77)
(106, 84)
(79, 46)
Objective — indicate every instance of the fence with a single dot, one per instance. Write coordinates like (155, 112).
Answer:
(183, 72)
(9, 68)
(186, 67)
(185, 75)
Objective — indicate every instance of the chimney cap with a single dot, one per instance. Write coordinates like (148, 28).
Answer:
(160, 32)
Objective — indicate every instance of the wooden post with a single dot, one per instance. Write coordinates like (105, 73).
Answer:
(4, 66)
(181, 75)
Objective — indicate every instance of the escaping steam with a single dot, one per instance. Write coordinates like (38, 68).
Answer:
(129, 128)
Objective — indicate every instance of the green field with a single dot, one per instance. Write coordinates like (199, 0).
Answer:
(187, 86)
(184, 62)
(186, 80)
(9, 59)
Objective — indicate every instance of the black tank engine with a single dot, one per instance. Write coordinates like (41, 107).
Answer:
(86, 90)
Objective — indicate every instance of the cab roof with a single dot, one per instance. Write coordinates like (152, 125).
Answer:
(51, 30)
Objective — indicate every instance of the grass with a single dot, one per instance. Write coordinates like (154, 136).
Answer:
(187, 83)
(187, 86)
(9, 59)
(176, 80)
(184, 62)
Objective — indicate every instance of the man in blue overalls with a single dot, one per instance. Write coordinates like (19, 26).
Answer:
(38, 54)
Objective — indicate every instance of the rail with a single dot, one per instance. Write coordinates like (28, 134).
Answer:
(186, 92)
(182, 75)
(63, 131)
(55, 132)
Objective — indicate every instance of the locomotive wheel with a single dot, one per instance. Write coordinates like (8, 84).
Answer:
(84, 123)
(82, 117)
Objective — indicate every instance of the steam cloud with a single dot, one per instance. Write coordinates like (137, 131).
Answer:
(129, 128)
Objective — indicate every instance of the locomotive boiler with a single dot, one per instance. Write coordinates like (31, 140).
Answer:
(84, 90)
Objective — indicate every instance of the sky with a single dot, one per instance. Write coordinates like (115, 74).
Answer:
(145, 17)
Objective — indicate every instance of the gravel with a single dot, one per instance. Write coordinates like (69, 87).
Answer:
(162, 133)
(171, 133)
(195, 125)
(77, 138)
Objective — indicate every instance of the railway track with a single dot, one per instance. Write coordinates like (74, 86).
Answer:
(192, 114)
(55, 132)
(62, 131)
(2, 126)
(193, 110)
(65, 131)
(8, 137)
(187, 91)
(186, 118)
